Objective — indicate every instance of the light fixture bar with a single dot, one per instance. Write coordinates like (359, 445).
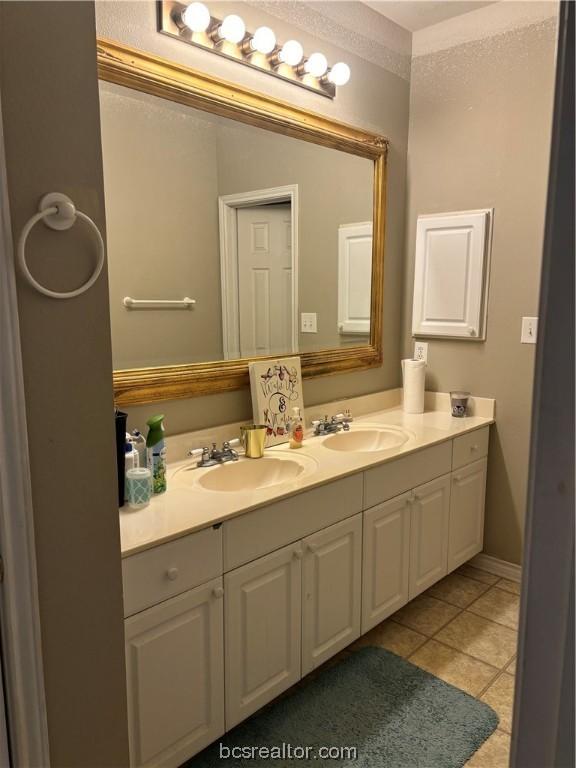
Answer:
(170, 23)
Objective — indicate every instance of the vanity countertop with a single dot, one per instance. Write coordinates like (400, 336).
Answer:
(187, 507)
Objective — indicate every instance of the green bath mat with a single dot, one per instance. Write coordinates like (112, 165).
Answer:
(394, 714)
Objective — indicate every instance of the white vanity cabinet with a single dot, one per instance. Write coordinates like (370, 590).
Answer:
(331, 591)
(220, 622)
(430, 518)
(288, 612)
(175, 673)
(263, 629)
(467, 513)
(386, 558)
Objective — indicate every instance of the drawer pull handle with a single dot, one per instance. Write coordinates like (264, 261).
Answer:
(298, 554)
(218, 592)
(172, 574)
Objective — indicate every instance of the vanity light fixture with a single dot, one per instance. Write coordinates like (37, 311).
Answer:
(316, 65)
(291, 53)
(232, 29)
(196, 17)
(194, 24)
(264, 40)
(339, 74)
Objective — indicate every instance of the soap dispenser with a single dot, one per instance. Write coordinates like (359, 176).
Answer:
(296, 429)
(156, 453)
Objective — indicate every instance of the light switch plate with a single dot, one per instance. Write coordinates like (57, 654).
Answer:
(421, 351)
(308, 322)
(529, 330)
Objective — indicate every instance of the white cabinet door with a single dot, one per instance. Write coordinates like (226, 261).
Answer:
(263, 631)
(450, 274)
(386, 560)
(429, 534)
(331, 591)
(175, 674)
(354, 277)
(467, 513)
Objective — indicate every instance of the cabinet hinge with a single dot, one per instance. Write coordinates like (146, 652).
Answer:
(1, 569)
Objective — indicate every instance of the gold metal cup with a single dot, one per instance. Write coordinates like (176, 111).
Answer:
(253, 438)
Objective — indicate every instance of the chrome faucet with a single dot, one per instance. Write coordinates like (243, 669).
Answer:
(328, 426)
(209, 457)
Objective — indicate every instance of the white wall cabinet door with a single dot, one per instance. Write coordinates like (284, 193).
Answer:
(450, 275)
(354, 277)
(386, 560)
(467, 513)
(175, 675)
(263, 628)
(331, 591)
(429, 534)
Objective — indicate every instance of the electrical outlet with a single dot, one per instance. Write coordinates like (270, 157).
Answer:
(308, 322)
(421, 351)
(529, 330)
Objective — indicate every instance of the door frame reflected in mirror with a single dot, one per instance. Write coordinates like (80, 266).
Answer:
(129, 67)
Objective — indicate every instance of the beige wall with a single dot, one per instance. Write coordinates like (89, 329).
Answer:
(52, 135)
(161, 189)
(480, 120)
(375, 99)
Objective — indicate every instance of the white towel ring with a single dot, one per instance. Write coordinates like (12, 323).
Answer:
(58, 212)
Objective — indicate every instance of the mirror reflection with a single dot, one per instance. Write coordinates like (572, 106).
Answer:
(226, 240)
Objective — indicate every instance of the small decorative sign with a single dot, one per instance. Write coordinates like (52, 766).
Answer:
(276, 388)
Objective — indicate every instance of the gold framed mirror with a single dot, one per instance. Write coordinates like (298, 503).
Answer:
(121, 65)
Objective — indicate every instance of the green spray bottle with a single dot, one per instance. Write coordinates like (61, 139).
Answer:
(156, 453)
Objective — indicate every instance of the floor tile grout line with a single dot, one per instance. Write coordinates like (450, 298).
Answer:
(497, 670)
(496, 677)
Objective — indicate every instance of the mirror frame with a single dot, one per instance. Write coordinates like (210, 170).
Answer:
(123, 65)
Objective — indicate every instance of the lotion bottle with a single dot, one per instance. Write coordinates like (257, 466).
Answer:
(156, 453)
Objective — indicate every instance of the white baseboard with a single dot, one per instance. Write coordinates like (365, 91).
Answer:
(498, 567)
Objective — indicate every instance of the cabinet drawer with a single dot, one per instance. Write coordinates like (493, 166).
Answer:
(396, 477)
(262, 531)
(470, 447)
(169, 569)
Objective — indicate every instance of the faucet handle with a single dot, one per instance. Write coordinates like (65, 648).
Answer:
(232, 443)
(196, 452)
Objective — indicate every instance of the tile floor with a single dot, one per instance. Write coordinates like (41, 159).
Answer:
(463, 630)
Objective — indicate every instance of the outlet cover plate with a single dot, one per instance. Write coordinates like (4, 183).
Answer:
(308, 322)
(421, 351)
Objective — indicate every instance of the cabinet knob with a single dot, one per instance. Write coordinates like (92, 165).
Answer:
(457, 478)
(298, 554)
(218, 591)
(312, 547)
(416, 497)
(172, 574)
(474, 447)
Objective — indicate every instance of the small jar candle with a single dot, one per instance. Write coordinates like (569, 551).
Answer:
(138, 487)
(459, 403)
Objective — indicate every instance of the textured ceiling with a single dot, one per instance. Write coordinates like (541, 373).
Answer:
(418, 14)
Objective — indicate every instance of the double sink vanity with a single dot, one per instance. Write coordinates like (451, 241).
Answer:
(244, 577)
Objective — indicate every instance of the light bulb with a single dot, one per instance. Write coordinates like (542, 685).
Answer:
(291, 53)
(196, 17)
(264, 40)
(316, 65)
(232, 29)
(339, 74)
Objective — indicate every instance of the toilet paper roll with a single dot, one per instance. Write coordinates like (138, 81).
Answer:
(414, 379)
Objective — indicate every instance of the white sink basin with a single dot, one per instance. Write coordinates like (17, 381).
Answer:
(246, 474)
(366, 439)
